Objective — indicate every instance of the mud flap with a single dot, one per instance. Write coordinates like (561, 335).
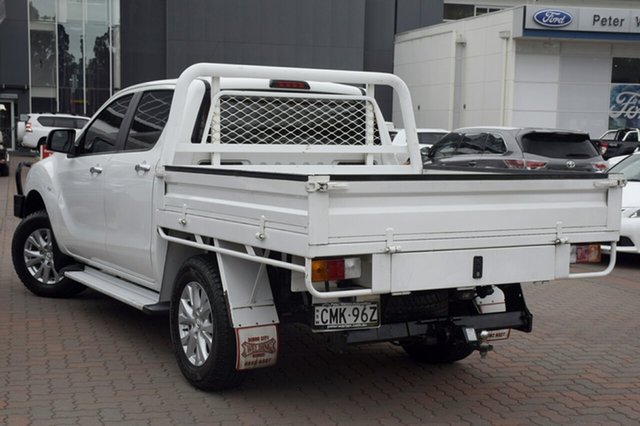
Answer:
(256, 347)
(246, 287)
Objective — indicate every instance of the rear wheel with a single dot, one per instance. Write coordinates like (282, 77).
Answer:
(203, 339)
(37, 260)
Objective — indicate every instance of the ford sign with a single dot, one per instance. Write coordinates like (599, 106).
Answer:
(553, 18)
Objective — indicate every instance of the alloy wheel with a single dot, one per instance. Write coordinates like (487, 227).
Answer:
(38, 257)
(195, 323)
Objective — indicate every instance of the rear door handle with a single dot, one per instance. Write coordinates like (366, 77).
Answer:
(95, 170)
(143, 167)
(472, 163)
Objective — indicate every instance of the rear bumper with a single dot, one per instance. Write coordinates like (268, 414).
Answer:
(519, 320)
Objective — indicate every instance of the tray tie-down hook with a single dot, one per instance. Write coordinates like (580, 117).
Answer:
(261, 235)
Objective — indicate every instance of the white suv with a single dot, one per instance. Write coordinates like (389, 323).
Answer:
(38, 126)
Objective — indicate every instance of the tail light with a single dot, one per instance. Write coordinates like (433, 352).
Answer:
(603, 147)
(525, 164)
(600, 166)
(335, 269)
(27, 127)
(44, 152)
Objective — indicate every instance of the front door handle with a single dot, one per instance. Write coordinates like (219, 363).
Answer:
(143, 167)
(472, 163)
(95, 170)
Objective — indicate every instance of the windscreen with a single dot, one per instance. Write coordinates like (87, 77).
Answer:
(559, 145)
(629, 167)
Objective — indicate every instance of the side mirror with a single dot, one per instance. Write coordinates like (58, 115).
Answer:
(61, 140)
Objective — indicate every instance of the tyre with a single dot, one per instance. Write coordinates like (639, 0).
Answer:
(443, 353)
(204, 340)
(4, 170)
(37, 260)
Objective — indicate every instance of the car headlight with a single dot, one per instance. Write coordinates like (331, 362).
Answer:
(635, 214)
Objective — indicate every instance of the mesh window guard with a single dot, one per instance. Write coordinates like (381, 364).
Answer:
(301, 121)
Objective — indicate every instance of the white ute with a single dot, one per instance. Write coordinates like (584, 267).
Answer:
(239, 198)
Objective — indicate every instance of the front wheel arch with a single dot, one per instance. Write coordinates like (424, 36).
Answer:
(34, 203)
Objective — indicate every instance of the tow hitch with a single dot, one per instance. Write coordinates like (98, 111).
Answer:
(479, 341)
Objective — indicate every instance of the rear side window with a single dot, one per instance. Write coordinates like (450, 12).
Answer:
(67, 122)
(472, 143)
(429, 138)
(80, 123)
(46, 121)
(559, 145)
(149, 120)
(495, 144)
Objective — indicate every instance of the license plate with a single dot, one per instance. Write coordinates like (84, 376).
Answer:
(330, 316)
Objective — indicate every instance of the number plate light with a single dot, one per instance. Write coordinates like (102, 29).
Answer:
(336, 269)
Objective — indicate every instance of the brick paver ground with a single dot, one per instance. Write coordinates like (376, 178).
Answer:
(92, 360)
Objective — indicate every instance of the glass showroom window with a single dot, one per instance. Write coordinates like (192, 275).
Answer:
(74, 54)
(42, 43)
(624, 97)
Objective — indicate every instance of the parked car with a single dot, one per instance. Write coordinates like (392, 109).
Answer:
(618, 142)
(38, 126)
(426, 139)
(516, 148)
(629, 241)
(4, 158)
(612, 161)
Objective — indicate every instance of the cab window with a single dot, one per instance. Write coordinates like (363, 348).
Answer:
(149, 120)
(102, 134)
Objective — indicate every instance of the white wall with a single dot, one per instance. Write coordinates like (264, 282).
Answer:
(565, 84)
(585, 82)
(425, 59)
(484, 70)
(535, 84)
(427, 67)
(545, 82)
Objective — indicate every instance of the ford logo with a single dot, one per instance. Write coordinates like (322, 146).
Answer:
(553, 18)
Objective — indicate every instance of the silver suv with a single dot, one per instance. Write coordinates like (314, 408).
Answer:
(516, 148)
(38, 126)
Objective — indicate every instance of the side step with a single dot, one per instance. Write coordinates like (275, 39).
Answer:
(124, 291)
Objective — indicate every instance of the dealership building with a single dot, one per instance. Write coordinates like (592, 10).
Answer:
(570, 64)
(71, 55)
(530, 65)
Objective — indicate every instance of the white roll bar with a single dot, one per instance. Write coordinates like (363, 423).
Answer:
(176, 116)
